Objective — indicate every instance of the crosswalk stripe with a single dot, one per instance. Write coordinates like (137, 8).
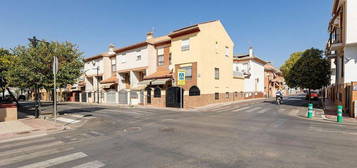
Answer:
(253, 109)
(243, 108)
(14, 144)
(27, 156)
(262, 111)
(67, 120)
(30, 148)
(56, 161)
(93, 164)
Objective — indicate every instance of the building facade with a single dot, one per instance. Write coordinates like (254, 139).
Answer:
(273, 81)
(341, 49)
(252, 69)
(146, 73)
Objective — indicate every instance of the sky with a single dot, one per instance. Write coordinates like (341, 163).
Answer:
(274, 28)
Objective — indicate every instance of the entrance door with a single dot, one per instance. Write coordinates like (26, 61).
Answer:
(123, 97)
(174, 98)
(148, 95)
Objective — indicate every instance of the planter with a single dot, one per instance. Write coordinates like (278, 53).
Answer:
(8, 112)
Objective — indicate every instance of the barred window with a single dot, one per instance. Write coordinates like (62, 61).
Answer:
(157, 92)
(194, 91)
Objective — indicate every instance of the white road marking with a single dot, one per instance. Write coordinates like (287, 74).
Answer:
(77, 115)
(27, 156)
(22, 138)
(67, 120)
(262, 111)
(240, 109)
(93, 164)
(14, 144)
(253, 109)
(56, 161)
(30, 148)
(293, 112)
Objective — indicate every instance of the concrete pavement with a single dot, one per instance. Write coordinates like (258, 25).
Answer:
(235, 135)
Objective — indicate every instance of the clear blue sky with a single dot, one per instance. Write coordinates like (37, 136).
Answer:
(275, 28)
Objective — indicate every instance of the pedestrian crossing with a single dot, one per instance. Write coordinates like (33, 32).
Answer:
(42, 153)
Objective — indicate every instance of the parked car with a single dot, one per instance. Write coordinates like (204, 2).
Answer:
(313, 95)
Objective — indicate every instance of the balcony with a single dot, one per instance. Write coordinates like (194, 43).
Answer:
(335, 41)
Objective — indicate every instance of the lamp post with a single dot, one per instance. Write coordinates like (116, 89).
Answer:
(268, 85)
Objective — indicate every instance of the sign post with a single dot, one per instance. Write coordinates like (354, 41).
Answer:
(181, 82)
(55, 70)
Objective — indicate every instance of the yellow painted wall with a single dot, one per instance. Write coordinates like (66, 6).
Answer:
(208, 55)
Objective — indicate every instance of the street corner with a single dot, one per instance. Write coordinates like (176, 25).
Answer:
(71, 121)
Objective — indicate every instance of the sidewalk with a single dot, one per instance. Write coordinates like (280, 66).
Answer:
(327, 113)
(330, 112)
(27, 127)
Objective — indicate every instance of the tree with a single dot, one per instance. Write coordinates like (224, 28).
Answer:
(32, 66)
(311, 71)
(5, 64)
(286, 67)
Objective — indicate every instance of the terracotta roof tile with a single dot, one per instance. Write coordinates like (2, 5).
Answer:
(159, 74)
(112, 79)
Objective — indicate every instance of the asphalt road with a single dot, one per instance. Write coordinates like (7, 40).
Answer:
(261, 135)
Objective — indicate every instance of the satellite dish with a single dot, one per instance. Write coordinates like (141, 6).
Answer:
(171, 67)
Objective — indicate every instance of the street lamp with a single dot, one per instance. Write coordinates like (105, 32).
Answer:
(97, 80)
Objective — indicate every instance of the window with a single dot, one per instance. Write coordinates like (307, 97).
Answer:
(227, 95)
(216, 96)
(227, 51)
(194, 91)
(89, 94)
(170, 58)
(157, 92)
(185, 45)
(235, 94)
(160, 57)
(123, 59)
(216, 73)
(245, 67)
(188, 72)
(138, 55)
(113, 61)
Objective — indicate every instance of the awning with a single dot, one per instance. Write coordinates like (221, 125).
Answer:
(107, 85)
(144, 82)
(139, 87)
(160, 81)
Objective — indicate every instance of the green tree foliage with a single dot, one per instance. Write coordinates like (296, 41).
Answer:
(288, 65)
(311, 71)
(33, 65)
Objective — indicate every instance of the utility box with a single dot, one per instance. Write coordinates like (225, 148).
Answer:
(8, 112)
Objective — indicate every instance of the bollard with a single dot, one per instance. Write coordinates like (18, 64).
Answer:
(339, 114)
(310, 110)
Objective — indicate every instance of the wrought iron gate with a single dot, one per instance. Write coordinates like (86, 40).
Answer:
(174, 98)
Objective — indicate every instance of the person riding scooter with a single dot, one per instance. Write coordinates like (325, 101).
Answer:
(279, 96)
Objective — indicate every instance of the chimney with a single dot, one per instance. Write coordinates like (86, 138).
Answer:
(149, 35)
(251, 52)
(111, 47)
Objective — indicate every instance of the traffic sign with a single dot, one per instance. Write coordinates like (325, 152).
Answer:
(181, 77)
(55, 65)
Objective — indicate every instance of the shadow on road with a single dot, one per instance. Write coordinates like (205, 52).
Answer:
(297, 101)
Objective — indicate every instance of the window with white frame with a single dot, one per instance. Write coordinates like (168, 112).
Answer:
(160, 57)
(123, 58)
(185, 45)
(227, 51)
(113, 62)
(188, 72)
(138, 55)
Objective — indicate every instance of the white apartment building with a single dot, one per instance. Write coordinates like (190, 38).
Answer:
(252, 69)
(342, 51)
